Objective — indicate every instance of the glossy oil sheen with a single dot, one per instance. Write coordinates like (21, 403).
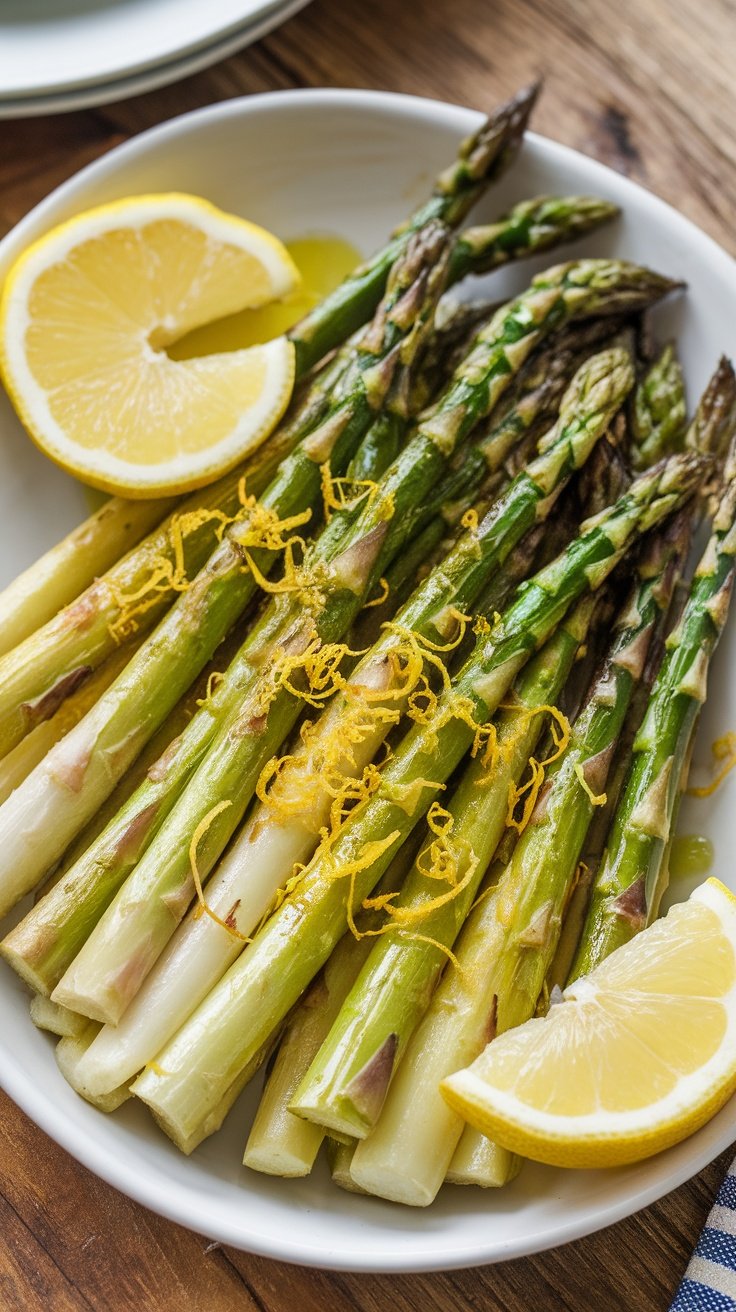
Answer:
(323, 260)
(692, 854)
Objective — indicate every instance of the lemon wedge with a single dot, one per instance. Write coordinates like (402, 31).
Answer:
(87, 313)
(636, 1056)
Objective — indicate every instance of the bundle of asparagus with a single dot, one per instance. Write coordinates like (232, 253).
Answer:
(314, 769)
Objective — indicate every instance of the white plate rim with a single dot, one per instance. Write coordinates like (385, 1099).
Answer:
(181, 47)
(162, 73)
(713, 1138)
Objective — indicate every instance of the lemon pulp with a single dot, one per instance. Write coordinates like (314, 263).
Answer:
(638, 1054)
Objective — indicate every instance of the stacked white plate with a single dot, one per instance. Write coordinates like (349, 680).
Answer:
(58, 55)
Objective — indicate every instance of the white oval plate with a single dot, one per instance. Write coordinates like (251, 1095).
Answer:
(52, 46)
(354, 163)
(157, 75)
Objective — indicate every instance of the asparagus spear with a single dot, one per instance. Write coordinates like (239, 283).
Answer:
(707, 433)
(58, 798)
(483, 1163)
(280, 1143)
(17, 765)
(514, 427)
(69, 1051)
(81, 637)
(659, 410)
(712, 427)
(58, 576)
(346, 565)
(628, 886)
(340, 1156)
(44, 944)
(680, 531)
(347, 974)
(238, 895)
(532, 226)
(53, 661)
(396, 983)
(508, 942)
(241, 1011)
(42, 671)
(481, 159)
(421, 554)
(594, 395)
(47, 1015)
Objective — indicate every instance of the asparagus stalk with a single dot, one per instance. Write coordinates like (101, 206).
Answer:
(456, 324)
(503, 451)
(280, 1143)
(58, 576)
(17, 765)
(707, 434)
(396, 983)
(238, 894)
(418, 558)
(594, 394)
(627, 889)
(69, 1051)
(680, 531)
(508, 942)
(164, 742)
(531, 227)
(43, 944)
(43, 670)
(712, 427)
(481, 159)
(340, 1157)
(346, 565)
(659, 411)
(61, 795)
(47, 1015)
(241, 1011)
(479, 1161)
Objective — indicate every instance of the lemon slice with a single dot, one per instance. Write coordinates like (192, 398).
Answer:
(637, 1055)
(86, 316)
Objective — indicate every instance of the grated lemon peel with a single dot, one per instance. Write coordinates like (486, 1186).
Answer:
(264, 530)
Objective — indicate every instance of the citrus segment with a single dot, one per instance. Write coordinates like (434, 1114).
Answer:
(636, 1056)
(87, 314)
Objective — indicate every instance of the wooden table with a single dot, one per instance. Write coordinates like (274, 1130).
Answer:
(645, 85)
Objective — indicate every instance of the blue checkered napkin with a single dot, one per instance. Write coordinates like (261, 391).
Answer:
(709, 1284)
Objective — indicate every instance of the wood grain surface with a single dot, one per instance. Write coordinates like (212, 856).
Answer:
(646, 86)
